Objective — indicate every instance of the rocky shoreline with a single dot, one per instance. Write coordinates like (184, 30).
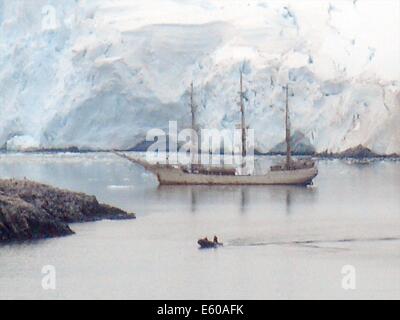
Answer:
(359, 152)
(30, 210)
(300, 147)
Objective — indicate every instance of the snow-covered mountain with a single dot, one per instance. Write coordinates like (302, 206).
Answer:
(99, 74)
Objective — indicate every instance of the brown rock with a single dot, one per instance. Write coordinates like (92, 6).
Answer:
(30, 210)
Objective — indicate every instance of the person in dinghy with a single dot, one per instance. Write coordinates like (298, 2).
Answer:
(205, 243)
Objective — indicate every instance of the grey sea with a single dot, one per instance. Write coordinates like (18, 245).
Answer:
(339, 238)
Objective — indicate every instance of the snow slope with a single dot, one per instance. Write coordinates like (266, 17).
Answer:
(99, 74)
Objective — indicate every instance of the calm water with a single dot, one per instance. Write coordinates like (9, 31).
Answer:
(280, 242)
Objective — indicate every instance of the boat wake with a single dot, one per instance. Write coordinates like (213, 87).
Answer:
(308, 243)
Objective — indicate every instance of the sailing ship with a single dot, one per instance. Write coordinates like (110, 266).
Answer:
(291, 172)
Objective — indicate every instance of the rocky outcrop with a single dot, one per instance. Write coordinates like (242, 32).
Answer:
(359, 152)
(30, 210)
(20, 220)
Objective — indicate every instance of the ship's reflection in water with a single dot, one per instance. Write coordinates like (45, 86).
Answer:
(238, 198)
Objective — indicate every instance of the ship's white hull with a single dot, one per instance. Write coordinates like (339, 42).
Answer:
(175, 176)
(169, 175)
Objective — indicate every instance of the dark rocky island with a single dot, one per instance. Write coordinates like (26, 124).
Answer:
(30, 210)
(358, 152)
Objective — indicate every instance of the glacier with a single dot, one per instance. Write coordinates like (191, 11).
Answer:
(99, 74)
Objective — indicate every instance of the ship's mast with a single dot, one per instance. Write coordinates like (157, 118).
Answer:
(243, 124)
(287, 123)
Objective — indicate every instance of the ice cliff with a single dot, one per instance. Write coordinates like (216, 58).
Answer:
(99, 74)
